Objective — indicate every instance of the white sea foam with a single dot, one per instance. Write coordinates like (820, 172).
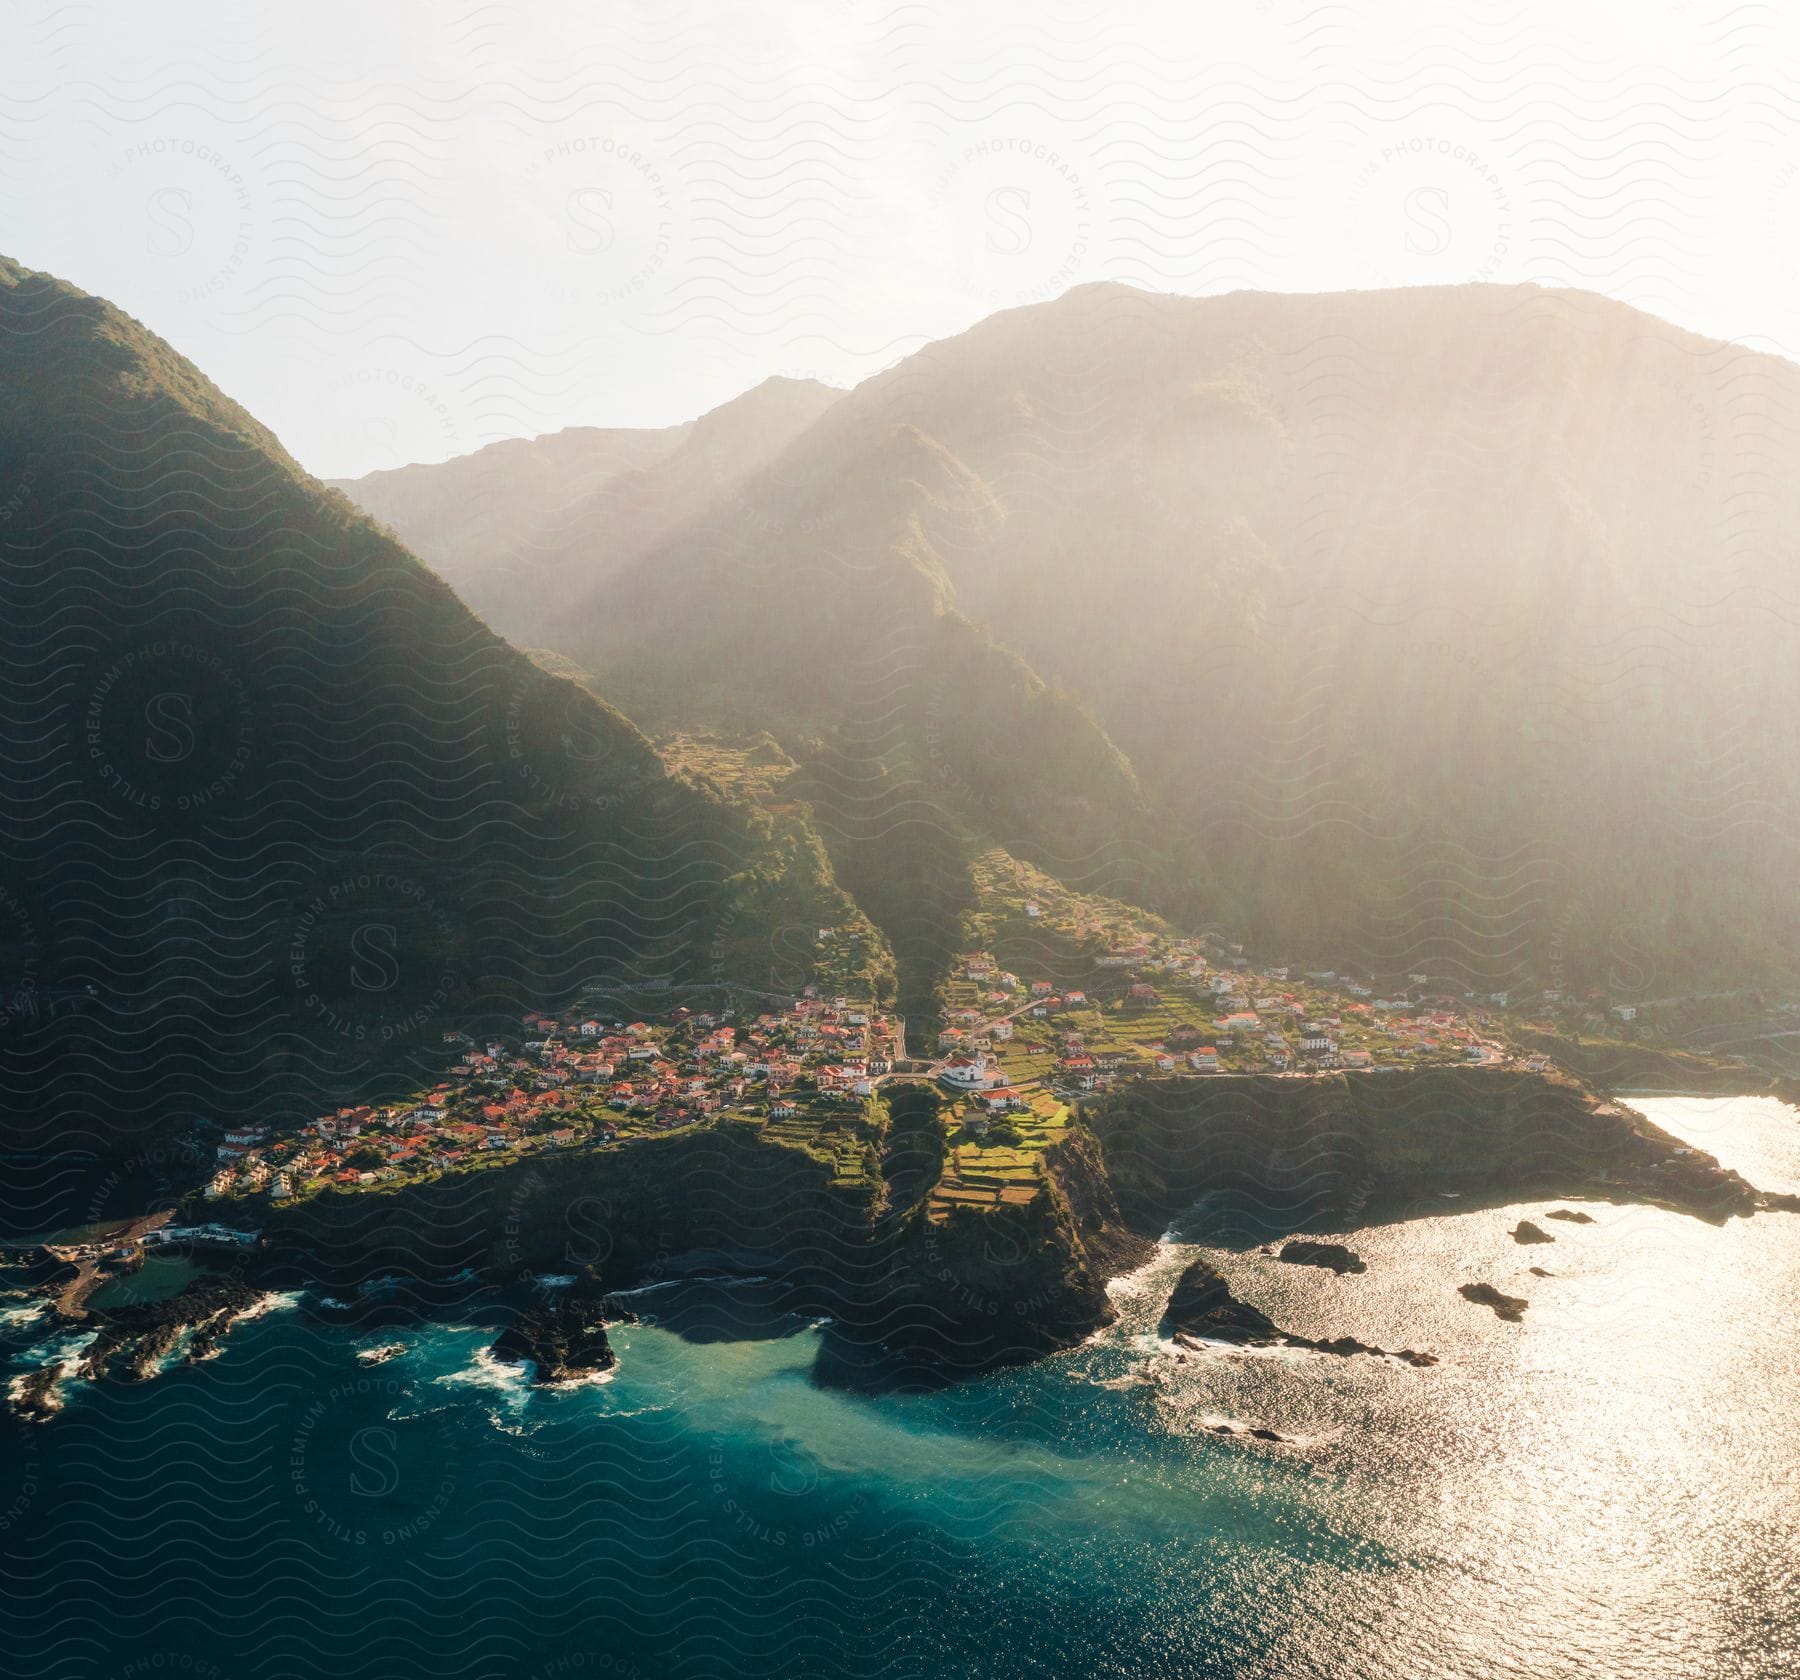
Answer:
(277, 1300)
(485, 1371)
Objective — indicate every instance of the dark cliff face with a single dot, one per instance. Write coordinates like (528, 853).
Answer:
(983, 1288)
(625, 1213)
(1304, 1148)
(976, 1289)
(963, 1294)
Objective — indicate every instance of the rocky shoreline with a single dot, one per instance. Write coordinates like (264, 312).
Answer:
(960, 1295)
(131, 1343)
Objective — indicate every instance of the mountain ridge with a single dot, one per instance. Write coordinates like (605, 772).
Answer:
(281, 807)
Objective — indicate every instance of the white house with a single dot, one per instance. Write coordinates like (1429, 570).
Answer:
(970, 1073)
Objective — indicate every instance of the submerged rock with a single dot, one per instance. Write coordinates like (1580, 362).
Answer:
(1510, 1307)
(563, 1339)
(1334, 1257)
(1250, 1432)
(1526, 1232)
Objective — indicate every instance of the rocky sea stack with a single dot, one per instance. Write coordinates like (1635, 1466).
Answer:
(1334, 1257)
(1202, 1308)
(563, 1340)
(1509, 1307)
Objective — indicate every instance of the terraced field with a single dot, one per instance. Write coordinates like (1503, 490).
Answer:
(848, 1138)
(986, 1173)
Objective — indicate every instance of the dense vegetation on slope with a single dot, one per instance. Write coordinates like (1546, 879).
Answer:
(1444, 628)
(277, 809)
(919, 737)
(1454, 622)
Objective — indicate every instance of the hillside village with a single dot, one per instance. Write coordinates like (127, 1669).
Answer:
(1058, 998)
(579, 1082)
(1075, 992)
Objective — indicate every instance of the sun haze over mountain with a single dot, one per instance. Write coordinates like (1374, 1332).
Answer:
(1423, 616)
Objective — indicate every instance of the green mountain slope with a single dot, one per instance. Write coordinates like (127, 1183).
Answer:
(1454, 621)
(522, 529)
(703, 592)
(278, 810)
(1443, 629)
(479, 518)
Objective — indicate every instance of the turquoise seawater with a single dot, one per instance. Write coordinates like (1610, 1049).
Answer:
(1611, 1488)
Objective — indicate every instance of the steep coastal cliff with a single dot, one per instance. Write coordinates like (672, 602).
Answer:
(966, 1292)
(984, 1286)
(626, 1212)
(967, 1289)
(1334, 1145)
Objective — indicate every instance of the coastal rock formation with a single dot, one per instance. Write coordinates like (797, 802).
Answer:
(1334, 1257)
(34, 1397)
(133, 1340)
(564, 1340)
(1526, 1232)
(1203, 1308)
(1509, 1307)
(1249, 1432)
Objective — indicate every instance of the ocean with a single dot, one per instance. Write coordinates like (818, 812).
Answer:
(1610, 1488)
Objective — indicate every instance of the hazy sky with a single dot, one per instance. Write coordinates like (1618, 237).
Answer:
(400, 229)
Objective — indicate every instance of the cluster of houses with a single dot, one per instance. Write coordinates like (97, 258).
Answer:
(1227, 1019)
(578, 1082)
